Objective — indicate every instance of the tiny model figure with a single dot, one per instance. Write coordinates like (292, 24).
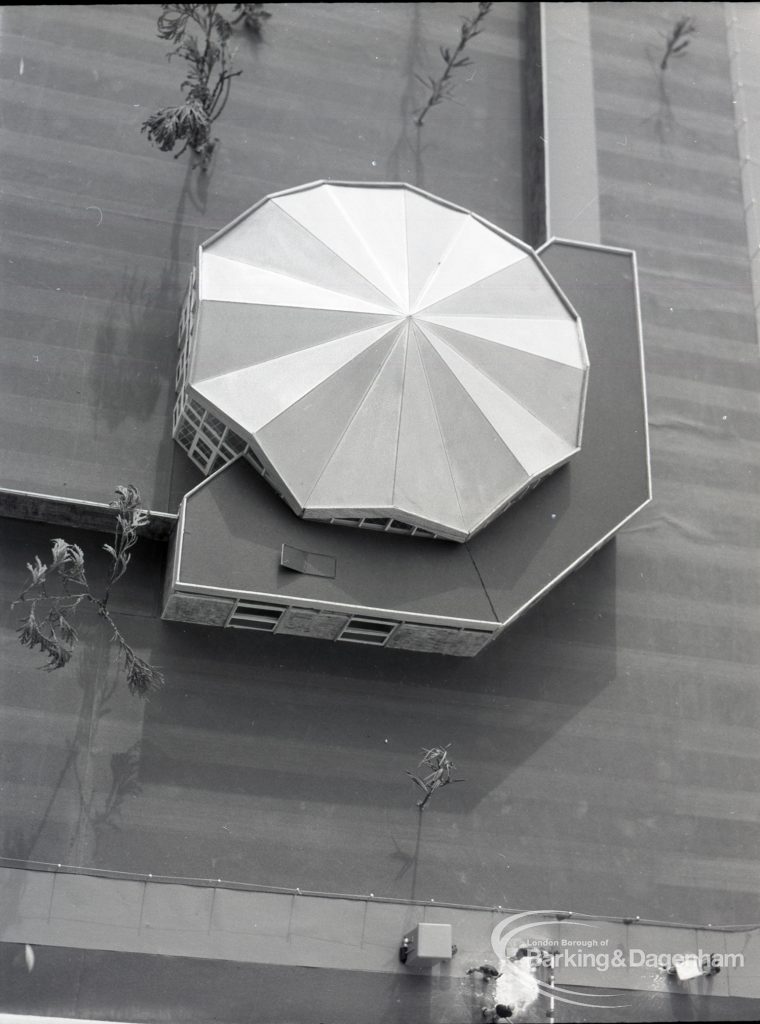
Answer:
(489, 973)
(497, 1014)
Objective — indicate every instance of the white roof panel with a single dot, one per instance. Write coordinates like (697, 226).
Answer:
(431, 230)
(475, 254)
(519, 290)
(319, 211)
(560, 341)
(227, 280)
(274, 241)
(380, 215)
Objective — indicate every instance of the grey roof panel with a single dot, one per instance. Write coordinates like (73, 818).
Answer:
(246, 335)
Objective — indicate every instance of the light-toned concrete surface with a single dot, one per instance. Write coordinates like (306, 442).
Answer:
(88, 912)
(177, 908)
(252, 913)
(744, 978)
(16, 1018)
(344, 922)
(84, 898)
(743, 34)
(384, 919)
(27, 894)
(77, 935)
(572, 182)
(469, 930)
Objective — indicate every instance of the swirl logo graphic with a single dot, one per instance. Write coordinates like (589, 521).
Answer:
(507, 934)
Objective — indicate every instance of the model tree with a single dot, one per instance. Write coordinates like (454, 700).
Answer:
(56, 592)
(677, 40)
(200, 34)
(252, 16)
(442, 88)
(440, 774)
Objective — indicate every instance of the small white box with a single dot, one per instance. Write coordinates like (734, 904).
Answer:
(429, 944)
(688, 969)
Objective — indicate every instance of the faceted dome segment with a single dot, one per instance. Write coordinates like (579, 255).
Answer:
(388, 356)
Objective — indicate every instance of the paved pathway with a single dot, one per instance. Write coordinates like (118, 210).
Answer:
(84, 911)
(15, 1018)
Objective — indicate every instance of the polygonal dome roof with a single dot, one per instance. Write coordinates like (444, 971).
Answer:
(388, 354)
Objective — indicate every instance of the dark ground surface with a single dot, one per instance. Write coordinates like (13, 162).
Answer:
(99, 228)
(609, 741)
(282, 762)
(132, 987)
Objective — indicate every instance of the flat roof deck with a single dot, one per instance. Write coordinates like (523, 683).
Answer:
(236, 525)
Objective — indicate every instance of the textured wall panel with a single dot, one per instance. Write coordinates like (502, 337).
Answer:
(209, 611)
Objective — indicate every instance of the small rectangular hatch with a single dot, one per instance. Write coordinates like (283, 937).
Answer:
(307, 562)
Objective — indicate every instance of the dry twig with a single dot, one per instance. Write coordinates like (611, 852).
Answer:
(442, 88)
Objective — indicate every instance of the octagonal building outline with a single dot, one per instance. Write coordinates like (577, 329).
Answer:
(228, 564)
(384, 358)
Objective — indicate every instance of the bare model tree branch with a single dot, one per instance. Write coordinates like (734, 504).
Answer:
(442, 88)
